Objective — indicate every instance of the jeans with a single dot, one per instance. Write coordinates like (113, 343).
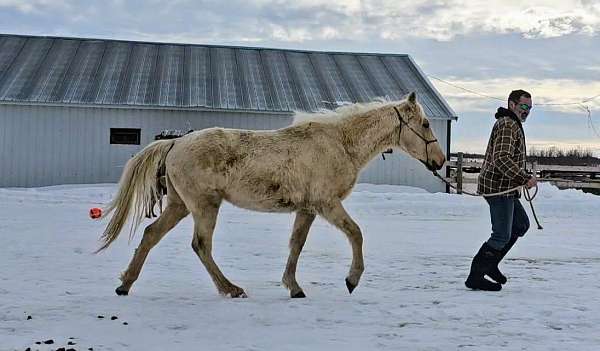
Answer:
(508, 219)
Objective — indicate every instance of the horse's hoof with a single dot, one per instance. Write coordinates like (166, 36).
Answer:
(350, 286)
(238, 294)
(121, 292)
(298, 295)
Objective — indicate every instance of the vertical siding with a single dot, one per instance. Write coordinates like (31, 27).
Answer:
(43, 145)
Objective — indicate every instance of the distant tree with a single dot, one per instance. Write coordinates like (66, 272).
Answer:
(552, 156)
(557, 156)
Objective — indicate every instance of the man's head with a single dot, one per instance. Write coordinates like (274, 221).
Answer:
(519, 102)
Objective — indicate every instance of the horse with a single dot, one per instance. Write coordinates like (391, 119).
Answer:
(308, 168)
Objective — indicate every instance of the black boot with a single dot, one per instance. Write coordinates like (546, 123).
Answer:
(494, 272)
(483, 261)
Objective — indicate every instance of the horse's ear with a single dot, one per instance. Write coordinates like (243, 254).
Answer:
(412, 98)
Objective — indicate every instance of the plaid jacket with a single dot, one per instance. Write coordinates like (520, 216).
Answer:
(504, 164)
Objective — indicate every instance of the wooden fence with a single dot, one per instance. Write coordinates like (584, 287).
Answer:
(577, 177)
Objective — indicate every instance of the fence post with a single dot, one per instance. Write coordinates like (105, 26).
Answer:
(459, 175)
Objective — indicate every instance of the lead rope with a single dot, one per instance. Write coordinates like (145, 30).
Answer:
(526, 194)
(529, 198)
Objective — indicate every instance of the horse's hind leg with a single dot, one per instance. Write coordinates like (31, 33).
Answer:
(301, 227)
(205, 214)
(173, 213)
(337, 215)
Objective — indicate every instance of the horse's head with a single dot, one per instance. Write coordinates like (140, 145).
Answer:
(415, 135)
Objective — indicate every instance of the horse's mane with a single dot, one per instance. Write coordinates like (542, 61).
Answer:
(342, 112)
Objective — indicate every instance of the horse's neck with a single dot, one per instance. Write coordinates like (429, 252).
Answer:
(365, 136)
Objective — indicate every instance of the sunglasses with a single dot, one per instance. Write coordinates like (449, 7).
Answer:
(524, 107)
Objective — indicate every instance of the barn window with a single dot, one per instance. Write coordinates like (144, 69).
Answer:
(128, 136)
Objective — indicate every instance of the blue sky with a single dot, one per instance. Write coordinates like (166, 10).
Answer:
(550, 48)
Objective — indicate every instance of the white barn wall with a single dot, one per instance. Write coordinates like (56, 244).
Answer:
(47, 145)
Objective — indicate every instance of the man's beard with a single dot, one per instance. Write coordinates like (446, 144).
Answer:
(524, 117)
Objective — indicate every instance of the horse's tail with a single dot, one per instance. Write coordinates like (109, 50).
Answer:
(138, 190)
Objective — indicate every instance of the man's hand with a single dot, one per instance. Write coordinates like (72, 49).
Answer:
(531, 182)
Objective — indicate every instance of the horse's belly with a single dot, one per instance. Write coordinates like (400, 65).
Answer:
(253, 203)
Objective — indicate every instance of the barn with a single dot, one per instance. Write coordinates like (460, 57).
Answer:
(74, 110)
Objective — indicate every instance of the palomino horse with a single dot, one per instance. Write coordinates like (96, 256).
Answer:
(307, 168)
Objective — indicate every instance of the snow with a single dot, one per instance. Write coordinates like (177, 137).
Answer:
(418, 247)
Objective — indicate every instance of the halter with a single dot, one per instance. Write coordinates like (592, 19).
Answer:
(427, 142)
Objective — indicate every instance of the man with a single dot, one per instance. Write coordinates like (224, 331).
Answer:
(503, 169)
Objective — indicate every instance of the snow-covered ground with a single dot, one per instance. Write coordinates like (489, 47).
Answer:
(418, 247)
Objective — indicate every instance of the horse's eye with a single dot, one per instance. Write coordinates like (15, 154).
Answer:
(426, 124)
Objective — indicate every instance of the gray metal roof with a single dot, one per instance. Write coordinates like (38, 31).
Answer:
(57, 70)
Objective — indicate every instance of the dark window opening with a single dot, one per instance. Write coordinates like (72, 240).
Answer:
(128, 136)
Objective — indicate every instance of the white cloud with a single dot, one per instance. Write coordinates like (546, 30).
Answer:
(593, 68)
(282, 33)
(23, 6)
(33, 6)
(544, 91)
(306, 20)
(444, 20)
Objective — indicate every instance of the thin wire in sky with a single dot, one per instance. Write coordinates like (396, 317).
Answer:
(501, 99)
(581, 104)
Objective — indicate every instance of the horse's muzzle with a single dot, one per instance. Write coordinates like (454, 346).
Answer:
(432, 165)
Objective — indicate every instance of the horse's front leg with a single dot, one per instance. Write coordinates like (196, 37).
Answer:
(301, 227)
(337, 215)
